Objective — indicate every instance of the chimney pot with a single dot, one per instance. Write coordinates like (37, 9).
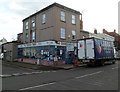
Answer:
(95, 31)
(114, 31)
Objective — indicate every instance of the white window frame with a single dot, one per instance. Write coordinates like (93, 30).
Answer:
(73, 19)
(62, 33)
(83, 36)
(43, 18)
(26, 25)
(74, 34)
(33, 35)
(33, 22)
(62, 16)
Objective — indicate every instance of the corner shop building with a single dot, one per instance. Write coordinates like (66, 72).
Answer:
(47, 53)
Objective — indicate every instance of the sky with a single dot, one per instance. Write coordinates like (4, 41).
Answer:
(97, 14)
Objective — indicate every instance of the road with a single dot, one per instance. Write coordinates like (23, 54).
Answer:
(81, 78)
(8, 69)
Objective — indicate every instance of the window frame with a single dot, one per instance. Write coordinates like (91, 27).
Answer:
(26, 25)
(33, 36)
(73, 34)
(73, 19)
(63, 16)
(26, 35)
(33, 22)
(43, 18)
(84, 36)
(62, 33)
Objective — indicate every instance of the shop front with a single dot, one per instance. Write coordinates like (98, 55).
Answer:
(48, 53)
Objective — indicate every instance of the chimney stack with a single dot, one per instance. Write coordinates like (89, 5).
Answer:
(114, 31)
(104, 31)
(95, 31)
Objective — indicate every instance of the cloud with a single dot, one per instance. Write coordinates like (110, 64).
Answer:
(14, 5)
(12, 12)
(10, 25)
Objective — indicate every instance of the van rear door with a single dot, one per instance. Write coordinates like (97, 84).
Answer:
(90, 49)
(81, 49)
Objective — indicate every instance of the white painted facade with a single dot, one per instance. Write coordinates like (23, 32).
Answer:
(95, 36)
(102, 36)
(106, 37)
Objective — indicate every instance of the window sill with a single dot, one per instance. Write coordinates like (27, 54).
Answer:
(62, 38)
(63, 21)
(73, 39)
(33, 27)
(43, 23)
(73, 24)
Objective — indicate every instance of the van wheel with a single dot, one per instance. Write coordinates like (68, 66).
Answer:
(113, 62)
(102, 63)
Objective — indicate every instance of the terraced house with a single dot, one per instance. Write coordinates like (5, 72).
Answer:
(55, 22)
(47, 32)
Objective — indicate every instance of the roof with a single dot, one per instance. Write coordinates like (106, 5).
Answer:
(52, 5)
(20, 34)
(10, 42)
(2, 40)
(84, 31)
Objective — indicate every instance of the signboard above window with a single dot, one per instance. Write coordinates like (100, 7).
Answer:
(42, 44)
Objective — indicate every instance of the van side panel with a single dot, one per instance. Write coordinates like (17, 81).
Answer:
(104, 49)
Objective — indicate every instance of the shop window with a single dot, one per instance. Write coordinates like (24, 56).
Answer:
(61, 52)
(44, 54)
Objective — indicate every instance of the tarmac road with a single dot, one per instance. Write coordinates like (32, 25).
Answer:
(82, 78)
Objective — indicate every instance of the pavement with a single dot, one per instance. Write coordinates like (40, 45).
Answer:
(13, 69)
(39, 67)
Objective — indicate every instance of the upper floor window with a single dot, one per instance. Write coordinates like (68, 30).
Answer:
(26, 25)
(73, 19)
(83, 36)
(33, 36)
(73, 34)
(62, 33)
(62, 16)
(26, 35)
(43, 18)
(33, 22)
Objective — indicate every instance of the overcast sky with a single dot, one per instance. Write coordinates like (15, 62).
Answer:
(97, 14)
